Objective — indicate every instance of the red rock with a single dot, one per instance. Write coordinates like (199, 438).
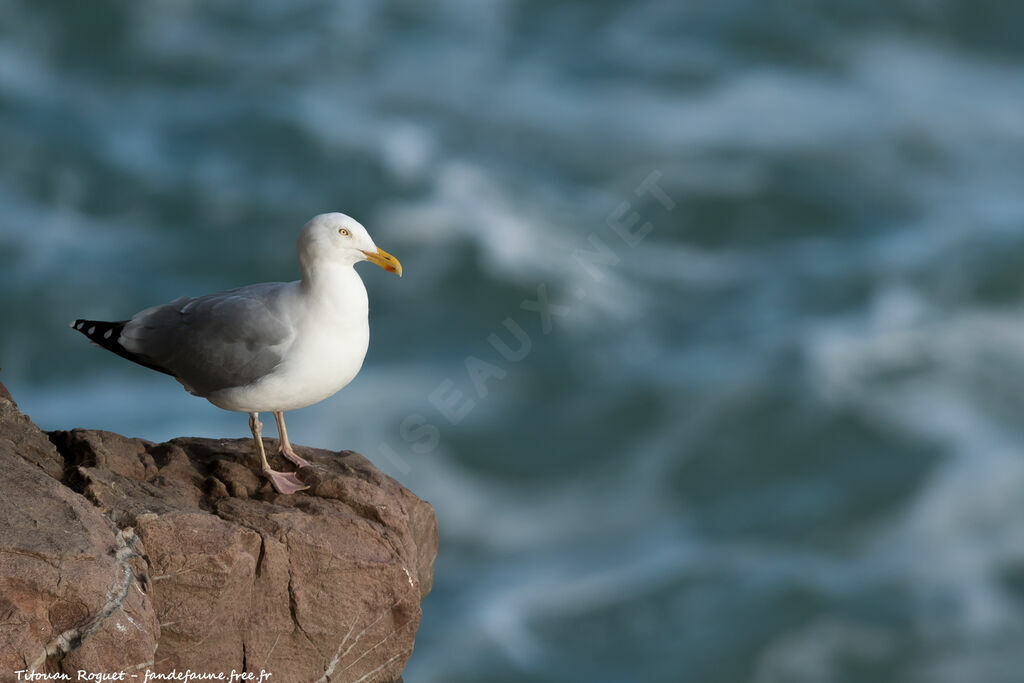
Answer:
(321, 585)
(67, 594)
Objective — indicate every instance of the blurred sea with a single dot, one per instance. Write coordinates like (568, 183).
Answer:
(777, 441)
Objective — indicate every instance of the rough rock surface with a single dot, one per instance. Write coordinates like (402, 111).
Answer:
(118, 554)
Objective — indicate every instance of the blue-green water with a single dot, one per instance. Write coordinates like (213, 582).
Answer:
(775, 440)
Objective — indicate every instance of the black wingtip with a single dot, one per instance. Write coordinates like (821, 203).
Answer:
(101, 332)
(107, 335)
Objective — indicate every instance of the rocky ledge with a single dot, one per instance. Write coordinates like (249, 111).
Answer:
(121, 556)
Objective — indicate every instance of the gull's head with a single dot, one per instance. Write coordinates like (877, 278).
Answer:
(337, 238)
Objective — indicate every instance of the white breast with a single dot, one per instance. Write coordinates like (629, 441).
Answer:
(332, 336)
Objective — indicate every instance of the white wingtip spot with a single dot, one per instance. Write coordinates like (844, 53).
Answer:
(92, 330)
(106, 335)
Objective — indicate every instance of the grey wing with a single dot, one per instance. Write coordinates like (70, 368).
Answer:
(216, 341)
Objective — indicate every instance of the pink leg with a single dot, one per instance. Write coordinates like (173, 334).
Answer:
(283, 482)
(286, 447)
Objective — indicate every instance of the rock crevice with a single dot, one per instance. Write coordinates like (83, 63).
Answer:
(119, 554)
(73, 638)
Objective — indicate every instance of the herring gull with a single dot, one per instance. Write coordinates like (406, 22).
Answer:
(269, 347)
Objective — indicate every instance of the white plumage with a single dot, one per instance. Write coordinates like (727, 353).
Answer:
(268, 347)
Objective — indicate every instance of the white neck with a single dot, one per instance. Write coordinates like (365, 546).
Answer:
(336, 286)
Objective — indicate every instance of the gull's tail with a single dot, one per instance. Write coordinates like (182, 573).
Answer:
(107, 334)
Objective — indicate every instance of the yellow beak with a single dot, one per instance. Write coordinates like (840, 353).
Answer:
(384, 260)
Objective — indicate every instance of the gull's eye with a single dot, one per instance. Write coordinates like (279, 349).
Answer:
(344, 232)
